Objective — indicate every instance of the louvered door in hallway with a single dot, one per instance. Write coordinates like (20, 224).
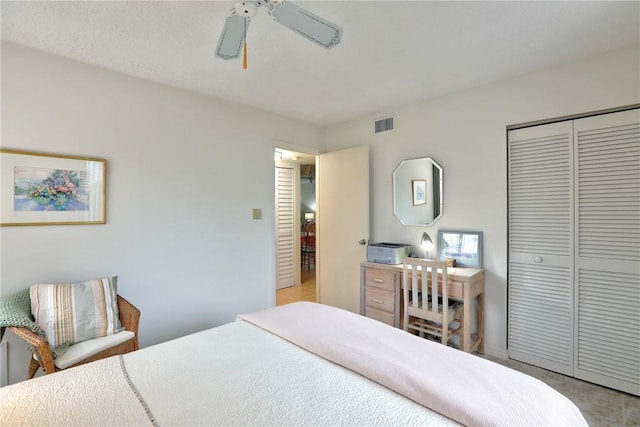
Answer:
(285, 223)
(574, 248)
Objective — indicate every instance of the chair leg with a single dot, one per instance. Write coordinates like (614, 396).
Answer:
(33, 368)
(445, 333)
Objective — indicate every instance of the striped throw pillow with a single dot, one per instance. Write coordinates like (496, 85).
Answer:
(75, 312)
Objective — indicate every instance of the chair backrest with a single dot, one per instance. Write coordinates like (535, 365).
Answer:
(309, 227)
(421, 299)
(309, 235)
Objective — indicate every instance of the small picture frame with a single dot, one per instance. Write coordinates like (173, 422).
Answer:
(419, 191)
(465, 247)
(50, 189)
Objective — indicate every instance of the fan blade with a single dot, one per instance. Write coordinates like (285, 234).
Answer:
(305, 23)
(232, 37)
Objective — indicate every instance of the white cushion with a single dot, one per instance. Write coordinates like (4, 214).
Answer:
(84, 349)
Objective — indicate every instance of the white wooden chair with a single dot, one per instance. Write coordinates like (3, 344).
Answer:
(426, 307)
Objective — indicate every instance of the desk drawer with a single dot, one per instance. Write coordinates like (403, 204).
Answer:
(455, 289)
(380, 299)
(379, 315)
(380, 278)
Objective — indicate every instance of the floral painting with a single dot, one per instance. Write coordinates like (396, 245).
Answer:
(50, 189)
(39, 189)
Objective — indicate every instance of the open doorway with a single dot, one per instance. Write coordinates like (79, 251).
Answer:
(295, 185)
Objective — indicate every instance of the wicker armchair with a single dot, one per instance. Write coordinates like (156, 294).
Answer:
(43, 358)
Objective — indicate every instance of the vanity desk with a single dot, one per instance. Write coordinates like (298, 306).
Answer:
(381, 297)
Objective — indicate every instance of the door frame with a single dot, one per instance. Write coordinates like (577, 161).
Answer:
(307, 151)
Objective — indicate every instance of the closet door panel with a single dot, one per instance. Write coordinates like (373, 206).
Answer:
(540, 180)
(541, 221)
(607, 276)
(540, 317)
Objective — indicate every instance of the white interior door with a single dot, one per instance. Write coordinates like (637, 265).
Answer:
(286, 248)
(343, 221)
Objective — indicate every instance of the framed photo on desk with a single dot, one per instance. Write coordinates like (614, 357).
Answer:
(463, 246)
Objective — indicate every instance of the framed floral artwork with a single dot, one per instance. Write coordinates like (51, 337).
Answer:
(49, 189)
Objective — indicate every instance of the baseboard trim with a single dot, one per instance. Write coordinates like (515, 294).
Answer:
(501, 353)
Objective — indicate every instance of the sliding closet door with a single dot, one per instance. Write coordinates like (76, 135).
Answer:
(540, 246)
(607, 272)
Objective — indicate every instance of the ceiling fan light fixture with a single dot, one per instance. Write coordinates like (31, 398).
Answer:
(232, 42)
(248, 9)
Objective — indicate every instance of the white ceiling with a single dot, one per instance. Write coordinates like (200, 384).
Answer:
(392, 52)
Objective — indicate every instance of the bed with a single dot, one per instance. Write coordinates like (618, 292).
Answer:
(298, 364)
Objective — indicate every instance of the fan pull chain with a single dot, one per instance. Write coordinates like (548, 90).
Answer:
(244, 45)
(244, 56)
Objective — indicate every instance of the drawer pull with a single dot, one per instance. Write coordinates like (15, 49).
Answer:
(378, 280)
(378, 301)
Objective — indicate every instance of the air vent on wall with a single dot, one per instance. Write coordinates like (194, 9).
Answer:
(383, 125)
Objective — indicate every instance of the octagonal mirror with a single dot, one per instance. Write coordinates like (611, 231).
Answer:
(417, 191)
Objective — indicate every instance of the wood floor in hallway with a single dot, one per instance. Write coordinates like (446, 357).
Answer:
(303, 292)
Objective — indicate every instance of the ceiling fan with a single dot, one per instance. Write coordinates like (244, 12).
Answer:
(234, 34)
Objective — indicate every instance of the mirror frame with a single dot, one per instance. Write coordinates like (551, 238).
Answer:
(419, 199)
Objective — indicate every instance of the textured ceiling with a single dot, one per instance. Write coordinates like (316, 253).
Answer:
(392, 53)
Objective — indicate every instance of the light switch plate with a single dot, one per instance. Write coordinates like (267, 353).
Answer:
(257, 214)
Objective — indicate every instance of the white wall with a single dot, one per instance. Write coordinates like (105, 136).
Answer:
(465, 133)
(184, 172)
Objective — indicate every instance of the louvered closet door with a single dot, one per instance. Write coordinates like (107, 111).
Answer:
(540, 328)
(285, 266)
(608, 250)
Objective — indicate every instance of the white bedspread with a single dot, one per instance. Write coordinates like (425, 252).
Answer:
(92, 394)
(235, 374)
(461, 386)
(240, 374)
